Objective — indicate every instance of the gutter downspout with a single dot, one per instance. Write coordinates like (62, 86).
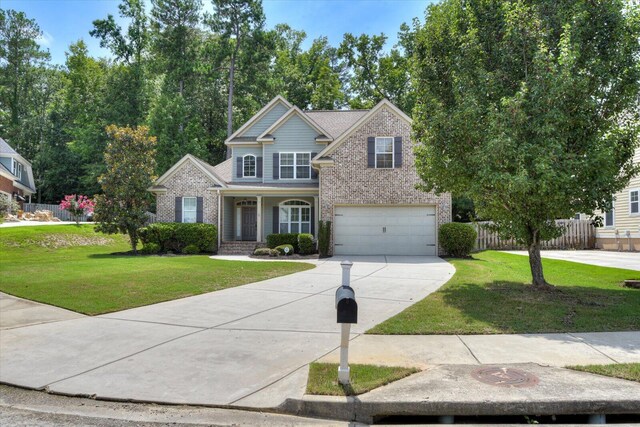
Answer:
(219, 211)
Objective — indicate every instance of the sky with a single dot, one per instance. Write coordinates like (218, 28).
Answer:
(66, 21)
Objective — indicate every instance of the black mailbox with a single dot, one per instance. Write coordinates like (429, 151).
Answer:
(346, 305)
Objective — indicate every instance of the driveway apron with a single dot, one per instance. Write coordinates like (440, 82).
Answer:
(218, 348)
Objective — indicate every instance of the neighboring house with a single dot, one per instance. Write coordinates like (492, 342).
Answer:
(291, 168)
(16, 175)
(621, 227)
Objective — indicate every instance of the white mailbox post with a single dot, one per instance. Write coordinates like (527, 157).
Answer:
(347, 313)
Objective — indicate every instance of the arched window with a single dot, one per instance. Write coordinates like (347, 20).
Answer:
(295, 216)
(249, 166)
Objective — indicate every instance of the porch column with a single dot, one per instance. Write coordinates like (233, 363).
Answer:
(259, 219)
(316, 208)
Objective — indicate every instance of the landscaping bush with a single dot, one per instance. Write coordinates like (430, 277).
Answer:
(150, 248)
(191, 249)
(324, 238)
(274, 240)
(266, 251)
(457, 239)
(281, 248)
(305, 244)
(175, 236)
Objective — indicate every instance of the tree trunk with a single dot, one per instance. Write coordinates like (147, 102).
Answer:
(133, 238)
(232, 69)
(535, 263)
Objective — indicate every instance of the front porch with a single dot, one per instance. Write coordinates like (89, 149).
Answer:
(251, 218)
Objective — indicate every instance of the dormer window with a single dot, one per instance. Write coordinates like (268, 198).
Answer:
(16, 168)
(249, 166)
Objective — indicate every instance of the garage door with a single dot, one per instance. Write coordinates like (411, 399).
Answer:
(392, 230)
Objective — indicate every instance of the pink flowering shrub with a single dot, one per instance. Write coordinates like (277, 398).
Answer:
(77, 206)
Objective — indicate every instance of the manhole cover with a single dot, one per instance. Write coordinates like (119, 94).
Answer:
(505, 377)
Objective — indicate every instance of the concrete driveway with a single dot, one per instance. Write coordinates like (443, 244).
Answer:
(246, 346)
(627, 260)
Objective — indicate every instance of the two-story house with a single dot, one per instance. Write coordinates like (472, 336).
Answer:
(291, 168)
(16, 175)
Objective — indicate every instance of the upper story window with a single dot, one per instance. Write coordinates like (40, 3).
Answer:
(16, 168)
(384, 152)
(634, 201)
(249, 166)
(189, 207)
(295, 165)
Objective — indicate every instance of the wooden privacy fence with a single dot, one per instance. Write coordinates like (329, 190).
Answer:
(578, 234)
(58, 212)
(63, 215)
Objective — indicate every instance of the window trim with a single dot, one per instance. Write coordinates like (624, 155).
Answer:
(393, 154)
(195, 210)
(307, 205)
(634, 190)
(295, 164)
(255, 165)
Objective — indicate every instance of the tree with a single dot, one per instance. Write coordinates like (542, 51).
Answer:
(375, 74)
(130, 160)
(239, 23)
(529, 108)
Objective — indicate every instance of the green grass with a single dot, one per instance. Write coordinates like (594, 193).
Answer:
(73, 267)
(626, 371)
(490, 294)
(323, 378)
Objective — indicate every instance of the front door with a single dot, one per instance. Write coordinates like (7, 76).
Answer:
(249, 223)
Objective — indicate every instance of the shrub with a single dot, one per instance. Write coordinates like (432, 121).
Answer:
(305, 244)
(281, 249)
(7, 207)
(150, 248)
(274, 240)
(457, 239)
(262, 251)
(191, 249)
(175, 236)
(324, 238)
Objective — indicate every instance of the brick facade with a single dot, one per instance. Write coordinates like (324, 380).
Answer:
(6, 186)
(188, 181)
(350, 181)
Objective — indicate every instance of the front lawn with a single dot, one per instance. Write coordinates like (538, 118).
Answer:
(490, 294)
(626, 371)
(323, 378)
(72, 267)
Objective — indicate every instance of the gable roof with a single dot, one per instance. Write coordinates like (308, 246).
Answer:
(268, 134)
(264, 110)
(336, 122)
(224, 170)
(205, 167)
(385, 103)
(5, 148)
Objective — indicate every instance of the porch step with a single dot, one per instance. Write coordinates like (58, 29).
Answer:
(238, 248)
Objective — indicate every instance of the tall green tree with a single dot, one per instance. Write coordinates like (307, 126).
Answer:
(21, 71)
(375, 74)
(122, 207)
(127, 80)
(530, 107)
(240, 24)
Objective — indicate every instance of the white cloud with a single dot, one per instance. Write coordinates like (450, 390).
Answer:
(45, 39)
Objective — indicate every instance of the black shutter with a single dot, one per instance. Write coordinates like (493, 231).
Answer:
(397, 151)
(313, 222)
(258, 167)
(239, 167)
(178, 209)
(199, 210)
(371, 152)
(276, 220)
(276, 166)
(314, 172)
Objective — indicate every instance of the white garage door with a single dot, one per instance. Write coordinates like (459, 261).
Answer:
(389, 230)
